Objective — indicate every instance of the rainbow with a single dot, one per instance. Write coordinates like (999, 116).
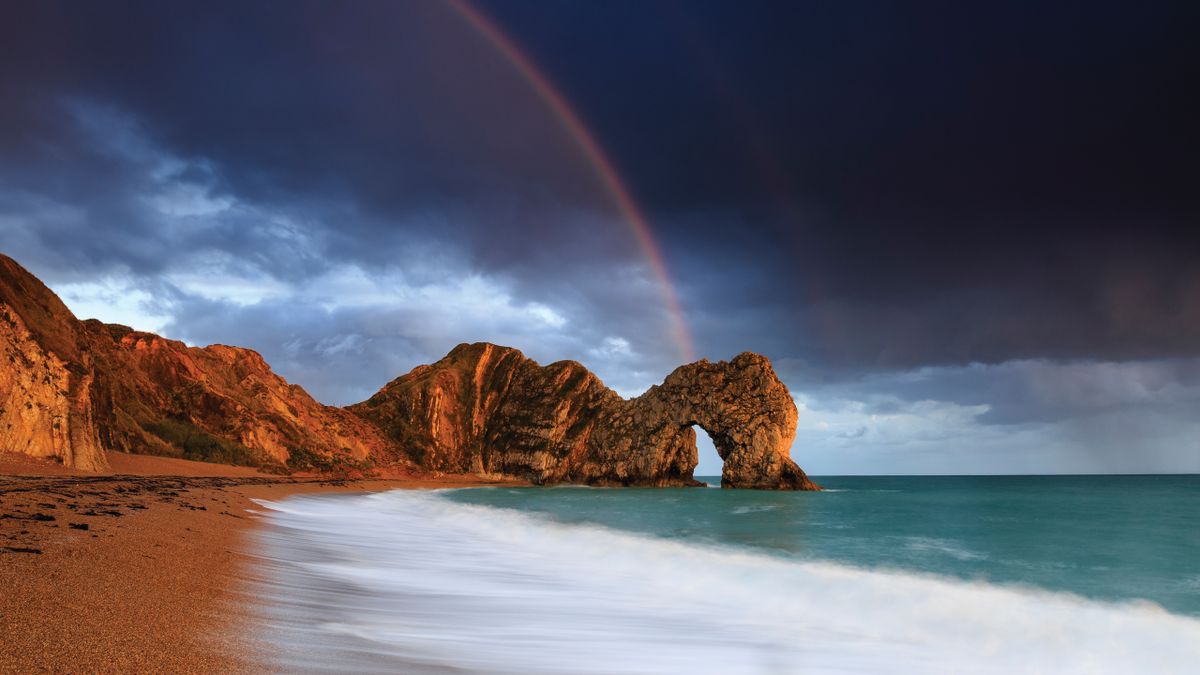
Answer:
(595, 156)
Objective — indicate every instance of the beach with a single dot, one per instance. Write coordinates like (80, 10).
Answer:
(140, 571)
(172, 566)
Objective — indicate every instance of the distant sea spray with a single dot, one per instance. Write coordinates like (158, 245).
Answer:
(409, 581)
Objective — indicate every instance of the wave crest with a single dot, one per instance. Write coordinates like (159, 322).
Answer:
(410, 581)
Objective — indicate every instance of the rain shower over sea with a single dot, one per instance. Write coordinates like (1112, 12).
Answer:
(1087, 574)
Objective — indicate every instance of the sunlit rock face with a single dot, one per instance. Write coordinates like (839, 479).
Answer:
(151, 394)
(741, 404)
(45, 376)
(72, 389)
(45, 406)
(488, 409)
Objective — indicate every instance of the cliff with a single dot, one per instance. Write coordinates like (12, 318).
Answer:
(45, 376)
(73, 389)
(488, 409)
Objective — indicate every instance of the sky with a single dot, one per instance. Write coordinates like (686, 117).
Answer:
(965, 233)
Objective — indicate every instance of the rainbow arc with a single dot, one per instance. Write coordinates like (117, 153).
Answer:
(609, 178)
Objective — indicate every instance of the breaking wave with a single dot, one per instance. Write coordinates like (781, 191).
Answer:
(409, 581)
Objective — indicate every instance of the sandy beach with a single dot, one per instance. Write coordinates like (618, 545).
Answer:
(141, 570)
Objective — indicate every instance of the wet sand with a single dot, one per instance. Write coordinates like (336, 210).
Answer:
(140, 571)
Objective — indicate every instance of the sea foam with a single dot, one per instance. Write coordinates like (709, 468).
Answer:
(408, 581)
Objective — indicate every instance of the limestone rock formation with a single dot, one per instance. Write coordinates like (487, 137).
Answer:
(741, 404)
(151, 393)
(45, 377)
(71, 389)
(488, 409)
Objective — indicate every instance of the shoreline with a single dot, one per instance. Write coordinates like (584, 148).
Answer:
(141, 570)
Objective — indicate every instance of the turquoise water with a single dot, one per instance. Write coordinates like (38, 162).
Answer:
(877, 575)
(1113, 538)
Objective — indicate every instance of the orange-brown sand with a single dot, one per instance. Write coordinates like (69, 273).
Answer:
(137, 571)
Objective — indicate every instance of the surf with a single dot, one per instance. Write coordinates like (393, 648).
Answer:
(414, 582)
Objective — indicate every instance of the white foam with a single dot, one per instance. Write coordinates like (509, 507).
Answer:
(743, 510)
(411, 582)
(942, 546)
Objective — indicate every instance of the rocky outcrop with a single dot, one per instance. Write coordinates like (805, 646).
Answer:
(742, 405)
(72, 389)
(152, 395)
(45, 401)
(45, 377)
(488, 409)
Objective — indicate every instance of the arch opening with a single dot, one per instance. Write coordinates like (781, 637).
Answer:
(710, 464)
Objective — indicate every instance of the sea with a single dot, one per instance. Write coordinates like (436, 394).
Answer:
(903, 574)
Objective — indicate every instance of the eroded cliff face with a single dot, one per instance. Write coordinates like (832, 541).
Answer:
(45, 402)
(741, 404)
(45, 378)
(488, 409)
(71, 389)
(150, 391)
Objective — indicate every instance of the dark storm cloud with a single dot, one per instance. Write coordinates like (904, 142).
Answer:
(398, 111)
(1017, 417)
(891, 185)
(932, 183)
(949, 224)
(1023, 392)
(268, 147)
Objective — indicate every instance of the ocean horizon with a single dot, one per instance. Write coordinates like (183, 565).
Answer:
(876, 574)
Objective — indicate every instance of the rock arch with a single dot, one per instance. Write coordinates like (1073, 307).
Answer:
(74, 389)
(743, 407)
(488, 409)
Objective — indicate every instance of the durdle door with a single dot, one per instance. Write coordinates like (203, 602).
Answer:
(485, 408)
(72, 389)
